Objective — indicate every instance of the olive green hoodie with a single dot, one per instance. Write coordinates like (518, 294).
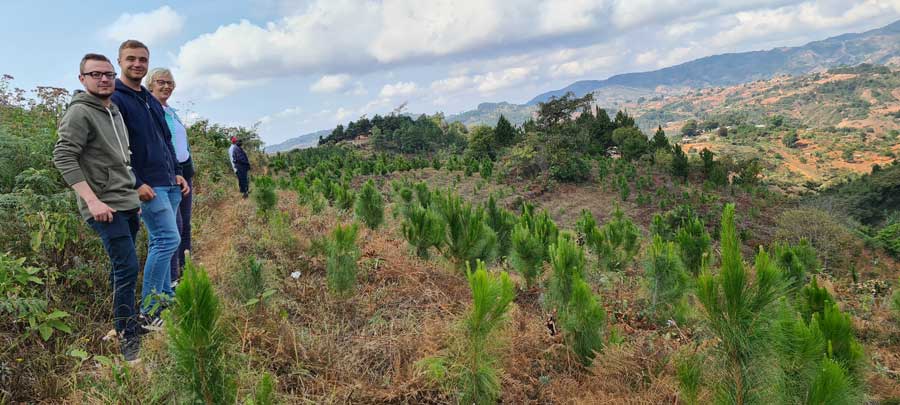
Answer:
(93, 147)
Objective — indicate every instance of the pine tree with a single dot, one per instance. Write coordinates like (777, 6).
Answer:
(370, 206)
(264, 194)
(423, 228)
(693, 243)
(567, 262)
(583, 321)
(527, 254)
(340, 267)
(502, 222)
(660, 141)
(679, 162)
(796, 262)
(813, 299)
(471, 367)
(504, 133)
(740, 313)
(197, 339)
(469, 238)
(667, 280)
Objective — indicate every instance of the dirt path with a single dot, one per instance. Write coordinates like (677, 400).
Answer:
(213, 237)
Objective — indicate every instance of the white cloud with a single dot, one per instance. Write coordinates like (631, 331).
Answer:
(151, 27)
(646, 58)
(358, 90)
(330, 83)
(342, 113)
(451, 84)
(580, 67)
(398, 89)
(494, 81)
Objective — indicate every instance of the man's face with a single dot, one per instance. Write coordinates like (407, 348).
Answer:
(103, 86)
(134, 62)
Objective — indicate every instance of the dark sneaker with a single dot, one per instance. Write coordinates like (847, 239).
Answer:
(149, 324)
(131, 347)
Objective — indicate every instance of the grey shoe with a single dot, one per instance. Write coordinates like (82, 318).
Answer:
(130, 347)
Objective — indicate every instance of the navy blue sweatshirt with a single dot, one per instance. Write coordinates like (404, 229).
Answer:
(153, 158)
(240, 158)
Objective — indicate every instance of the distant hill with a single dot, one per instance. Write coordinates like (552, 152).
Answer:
(878, 46)
(302, 141)
(842, 122)
(489, 113)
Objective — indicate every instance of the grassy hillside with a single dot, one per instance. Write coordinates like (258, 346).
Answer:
(810, 130)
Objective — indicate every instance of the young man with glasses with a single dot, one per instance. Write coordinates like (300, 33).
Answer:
(157, 173)
(92, 154)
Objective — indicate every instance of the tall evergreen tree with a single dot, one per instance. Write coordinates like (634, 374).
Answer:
(659, 139)
(679, 162)
(504, 133)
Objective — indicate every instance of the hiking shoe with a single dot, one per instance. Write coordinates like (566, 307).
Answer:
(149, 323)
(131, 347)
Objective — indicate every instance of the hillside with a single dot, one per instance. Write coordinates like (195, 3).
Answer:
(878, 46)
(845, 121)
(302, 141)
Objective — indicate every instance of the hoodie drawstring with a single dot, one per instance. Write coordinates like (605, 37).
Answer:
(116, 131)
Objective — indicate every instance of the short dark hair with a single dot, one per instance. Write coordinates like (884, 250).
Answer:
(132, 44)
(92, 56)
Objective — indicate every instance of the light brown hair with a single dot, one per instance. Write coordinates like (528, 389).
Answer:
(132, 44)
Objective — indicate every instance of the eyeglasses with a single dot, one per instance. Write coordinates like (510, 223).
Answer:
(161, 83)
(98, 75)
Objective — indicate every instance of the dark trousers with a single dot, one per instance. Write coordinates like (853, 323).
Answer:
(118, 239)
(243, 181)
(183, 219)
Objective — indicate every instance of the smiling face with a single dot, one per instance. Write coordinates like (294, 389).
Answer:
(162, 87)
(133, 62)
(102, 87)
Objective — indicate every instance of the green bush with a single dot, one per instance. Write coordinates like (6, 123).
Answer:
(197, 339)
(423, 228)
(264, 194)
(615, 244)
(340, 267)
(889, 238)
(667, 281)
(567, 262)
(370, 206)
(23, 300)
(796, 261)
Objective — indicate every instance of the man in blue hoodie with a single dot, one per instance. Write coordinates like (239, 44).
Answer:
(157, 174)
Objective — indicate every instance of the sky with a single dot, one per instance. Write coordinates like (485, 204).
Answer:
(291, 67)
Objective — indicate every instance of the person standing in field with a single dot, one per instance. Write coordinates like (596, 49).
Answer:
(161, 84)
(92, 154)
(157, 173)
(241, 165)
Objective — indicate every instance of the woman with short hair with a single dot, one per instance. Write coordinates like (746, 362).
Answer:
(161, 84)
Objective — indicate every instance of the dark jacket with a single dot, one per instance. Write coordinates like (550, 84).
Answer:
(152, 154)
(239, 157)
(93, 147)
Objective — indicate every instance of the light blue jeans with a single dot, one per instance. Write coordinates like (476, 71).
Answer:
(158, 215)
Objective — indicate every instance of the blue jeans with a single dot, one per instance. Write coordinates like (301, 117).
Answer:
(159, 218)
(183, 219)
(243, 180)
(118, 239)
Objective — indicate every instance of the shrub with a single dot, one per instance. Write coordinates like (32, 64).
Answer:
(813, 300)
(889, 238)
(796, 262)
(423, 228)
(197, 339)
(693, 244)
(340, 268)
(344, 197)
(264, 194)
(667, 280)
(679, 162)
(841, 344)
(689, 372)
(830, 239)
(370, 206)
